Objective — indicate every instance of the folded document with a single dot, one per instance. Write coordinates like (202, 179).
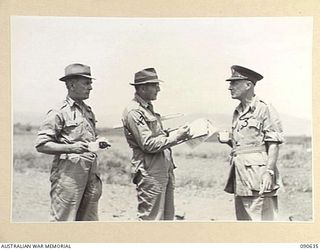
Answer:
(200, 131)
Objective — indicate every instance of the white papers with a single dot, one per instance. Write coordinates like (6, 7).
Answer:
(200, 130)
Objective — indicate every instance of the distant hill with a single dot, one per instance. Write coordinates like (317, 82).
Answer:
(292, 126)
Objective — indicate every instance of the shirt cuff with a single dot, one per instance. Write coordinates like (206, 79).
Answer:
(42, 139)
(274, 137)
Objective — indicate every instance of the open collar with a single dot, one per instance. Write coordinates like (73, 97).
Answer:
(141, 101)
(81, 105)
(252, 106)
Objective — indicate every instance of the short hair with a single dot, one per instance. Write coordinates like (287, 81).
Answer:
(253, 82)
(70, 80)
(138, 86)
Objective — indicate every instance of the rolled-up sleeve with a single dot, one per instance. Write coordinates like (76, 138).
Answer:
(144, 135)
(49, 129)
(272, 129)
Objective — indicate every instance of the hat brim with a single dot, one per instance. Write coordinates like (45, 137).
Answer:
(236, 78)
(70, 76)
(146, 82)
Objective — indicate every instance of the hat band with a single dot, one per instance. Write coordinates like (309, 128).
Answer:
(145, 79)
(78, 73)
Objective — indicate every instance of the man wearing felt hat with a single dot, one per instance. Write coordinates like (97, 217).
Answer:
(255, 140)
(65, 133)
(152, 163)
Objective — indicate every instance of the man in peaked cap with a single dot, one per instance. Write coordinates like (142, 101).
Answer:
(256, 136)
(65, 133)
(152, 163)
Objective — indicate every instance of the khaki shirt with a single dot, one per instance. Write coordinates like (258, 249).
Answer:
(251, 129)
(69, 122)
(149, 142)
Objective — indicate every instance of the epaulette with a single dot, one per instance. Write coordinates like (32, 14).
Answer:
(133, 105)
(59, 106)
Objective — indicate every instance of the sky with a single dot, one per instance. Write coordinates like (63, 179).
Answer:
(192, 56)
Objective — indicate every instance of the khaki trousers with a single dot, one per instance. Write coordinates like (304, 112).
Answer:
(256, 208)
(75, 191)
(155, 197)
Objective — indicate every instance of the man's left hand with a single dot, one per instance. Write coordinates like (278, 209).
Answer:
(266, 182)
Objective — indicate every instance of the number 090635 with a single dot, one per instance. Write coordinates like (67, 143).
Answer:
(309, 246)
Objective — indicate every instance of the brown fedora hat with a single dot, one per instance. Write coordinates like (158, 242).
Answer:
(76, 69)
(145, 76)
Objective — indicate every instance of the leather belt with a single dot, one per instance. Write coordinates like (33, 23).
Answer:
(248, 150)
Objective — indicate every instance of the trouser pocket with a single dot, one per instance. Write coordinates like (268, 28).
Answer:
(93, 190)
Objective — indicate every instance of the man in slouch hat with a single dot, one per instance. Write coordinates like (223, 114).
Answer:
(65, 133)
(152, 163)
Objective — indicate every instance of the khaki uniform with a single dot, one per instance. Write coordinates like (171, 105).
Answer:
(251, 129)
(75, 184)
(152, 163)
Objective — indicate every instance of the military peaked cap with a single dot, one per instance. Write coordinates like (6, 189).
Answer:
(242, 73)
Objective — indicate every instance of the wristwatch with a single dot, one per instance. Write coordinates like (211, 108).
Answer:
(270, 171)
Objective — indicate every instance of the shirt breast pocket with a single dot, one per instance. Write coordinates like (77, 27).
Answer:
(252, 130)
(254, 124)
(73, 128)
(152, 124)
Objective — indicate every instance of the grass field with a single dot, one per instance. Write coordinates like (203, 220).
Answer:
(200, 178)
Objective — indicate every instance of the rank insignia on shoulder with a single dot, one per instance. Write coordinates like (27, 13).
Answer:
(140, 120)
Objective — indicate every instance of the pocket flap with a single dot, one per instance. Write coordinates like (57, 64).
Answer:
(254, 123)
(73, 123)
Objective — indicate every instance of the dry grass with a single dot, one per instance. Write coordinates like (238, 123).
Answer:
(203, 167)
(202, 171)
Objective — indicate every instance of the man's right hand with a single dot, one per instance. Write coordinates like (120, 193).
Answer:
(183, 133)
(79, 147)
